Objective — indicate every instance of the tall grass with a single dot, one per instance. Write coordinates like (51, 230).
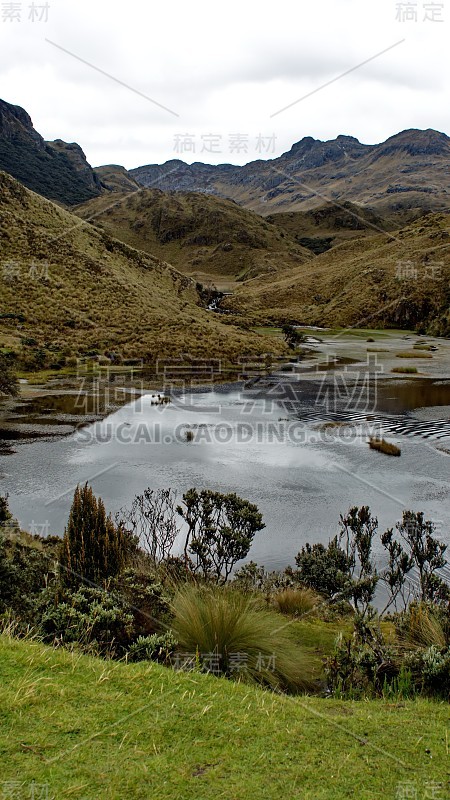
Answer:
(296, 602)
(238, 630)
(422, 628)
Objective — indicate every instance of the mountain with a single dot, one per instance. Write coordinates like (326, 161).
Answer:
(116, 178)
(399, 280)
(56, 170)
(206, 237)
(409, 173)
(70, 288)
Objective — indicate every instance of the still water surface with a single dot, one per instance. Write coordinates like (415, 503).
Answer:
(300, 480)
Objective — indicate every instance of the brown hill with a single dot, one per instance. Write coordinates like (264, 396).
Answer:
(116, 178)
(398, 280)
(326, 226)
(407, 174)
(70, 288)
(205, 237)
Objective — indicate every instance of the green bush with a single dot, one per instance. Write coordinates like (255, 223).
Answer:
(147, 598)
(153, 648)
(98, 621)
(324, 569)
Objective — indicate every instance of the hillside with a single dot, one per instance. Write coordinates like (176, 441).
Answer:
(326, 226)
(69, 286)
(89, 729)
(407, 174)
(116, 179)
(205, 237)
(56, 170)
(399, 280)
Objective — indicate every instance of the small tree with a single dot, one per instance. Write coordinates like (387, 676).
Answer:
(400, 563)
(324, 569)
(427, 554)
(8, 381)
(220, 531)
(93, 548)
(152, 518)
(358, 530)
(292, 337)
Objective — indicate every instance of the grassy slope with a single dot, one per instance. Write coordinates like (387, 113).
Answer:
(203, 236)
(91, 729)
(357, 281)
(99, 292)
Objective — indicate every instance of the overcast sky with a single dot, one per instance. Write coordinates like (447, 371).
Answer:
(224, 69)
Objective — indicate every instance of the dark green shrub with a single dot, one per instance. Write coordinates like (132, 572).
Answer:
(96, 620)
(324, 569)
(93, 549)
(147, 598)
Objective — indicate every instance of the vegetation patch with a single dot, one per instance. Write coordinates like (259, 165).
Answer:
(382, 446)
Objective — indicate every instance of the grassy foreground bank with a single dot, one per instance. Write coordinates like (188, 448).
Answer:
(84, 728)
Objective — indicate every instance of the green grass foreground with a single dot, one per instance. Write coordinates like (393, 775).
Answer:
(94, 729)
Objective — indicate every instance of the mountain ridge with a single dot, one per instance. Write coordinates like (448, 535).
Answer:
(315, 171)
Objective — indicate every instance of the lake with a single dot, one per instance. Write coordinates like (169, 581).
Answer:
(269, 447)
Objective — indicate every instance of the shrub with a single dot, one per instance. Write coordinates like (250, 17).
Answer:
(324, 569)
(146, 597)
(93, 548)
(230, 634)
(430, 670)
(361, 665)
(5, 514)
(153, 648)
(24, 573)
(152, 519)
(94, 619)
(220, 531)
(8, 380)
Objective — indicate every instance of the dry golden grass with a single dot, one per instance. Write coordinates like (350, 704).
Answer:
(89, 291)
(382, 446)
(297, 602)
(361, 283)
(205, 237)
(405, 370)
(419, 354)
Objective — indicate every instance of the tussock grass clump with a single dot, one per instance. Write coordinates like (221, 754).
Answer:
(421, 628)
(405, 370)
(297, 602)
(417, 354)
(383, 446)
(249, 642)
